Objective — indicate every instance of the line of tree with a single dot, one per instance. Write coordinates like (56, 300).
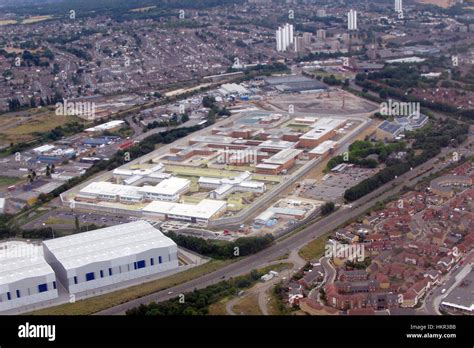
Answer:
(14, 104)
(198, 301)
(398, 90)
(430, 140)
(219, 249)
(327, 208)
(359, 150)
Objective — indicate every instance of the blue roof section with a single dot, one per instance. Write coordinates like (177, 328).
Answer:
(96, 141)
(48, 159)
(401, 120)
(418, 121)
(390, 127)
(101, 140)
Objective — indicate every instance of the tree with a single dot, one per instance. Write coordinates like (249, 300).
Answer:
(76, 223)
(208, 101)
(327, 208)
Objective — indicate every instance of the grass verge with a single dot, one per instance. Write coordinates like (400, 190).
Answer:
(314, 249)
(99, 303)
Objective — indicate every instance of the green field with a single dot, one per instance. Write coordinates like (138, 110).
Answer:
(102, 302)
(8, 181)
(314, 249)
(191, 171)
(299, 127)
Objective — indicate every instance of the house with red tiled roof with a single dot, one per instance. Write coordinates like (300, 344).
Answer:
(311, 277)
(356, 287)
(313, 307)
(344, 301)
(397, 270)
(295, 293)
(353, 275)
(361, 311)
(383, 280)
(415, 293)
(375, 237)
(392, 235)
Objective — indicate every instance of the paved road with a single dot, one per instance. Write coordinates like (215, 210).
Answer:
(291, 242)
(448, 282)
(329, 271)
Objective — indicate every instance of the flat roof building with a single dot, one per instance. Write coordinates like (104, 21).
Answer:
(283, 157)
(224, 186)
(322, 149)
(275, 145)
(461, 298)
(321, 130)
(109, 256)
(389, 130)
(44, 148)
(167, 190)
(447, 185)
(106, 126)
(204, 211)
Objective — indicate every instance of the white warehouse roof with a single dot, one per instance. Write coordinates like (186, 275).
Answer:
(108, 188)
(107, 244)
(105, 126)
(203, 210)
(13, 269)
(322, 127)
(324, 147)
(169, 186)
(44, 148)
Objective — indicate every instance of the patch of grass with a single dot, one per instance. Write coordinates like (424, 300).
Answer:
(56, 221)
(40, 123)
(193, 171)
(8, 181)
(35, 19)
(247, 306)
(219, 308)
(102, 302)
(276, 306)
(314, 249)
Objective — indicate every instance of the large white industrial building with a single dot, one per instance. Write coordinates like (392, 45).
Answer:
(109, 256)
(166, 190)
(25, 277)
(201, 212)
(224, 186)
